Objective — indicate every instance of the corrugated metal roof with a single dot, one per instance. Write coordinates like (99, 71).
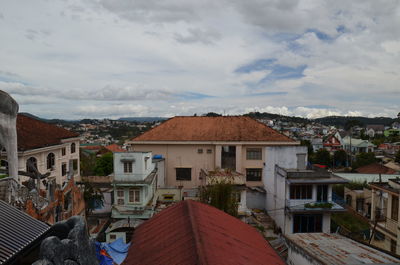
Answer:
(17, 231)
(194, 233)
(335, 249)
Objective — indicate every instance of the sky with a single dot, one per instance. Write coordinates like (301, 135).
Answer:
(139, 58)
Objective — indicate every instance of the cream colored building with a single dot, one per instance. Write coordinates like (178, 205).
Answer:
(51, 149)
(190, 144)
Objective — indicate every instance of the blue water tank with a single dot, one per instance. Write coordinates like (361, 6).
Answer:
(157, 157)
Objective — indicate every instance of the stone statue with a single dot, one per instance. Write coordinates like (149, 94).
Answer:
(70, 245)
(8, 131)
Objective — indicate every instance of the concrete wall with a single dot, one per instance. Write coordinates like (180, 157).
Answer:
(142, 166)
(286, 157)
(255, 199)
(299, 257)
(186, 155)
(41, 156)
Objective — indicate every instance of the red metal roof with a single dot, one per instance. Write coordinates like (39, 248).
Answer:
(194, 233)
(33, 133)
(224, 128)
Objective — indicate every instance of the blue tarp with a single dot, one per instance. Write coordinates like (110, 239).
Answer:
(103, 260)
(117, 250)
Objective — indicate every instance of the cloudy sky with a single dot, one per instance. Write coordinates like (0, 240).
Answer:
(109, 58)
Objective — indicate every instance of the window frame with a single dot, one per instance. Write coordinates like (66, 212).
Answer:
(135, 195)
(301, 192)
(50, 160)
(185, 178)
(73, 148)
(128, 166)
(254, 153)
(118, 197)
(254, 177)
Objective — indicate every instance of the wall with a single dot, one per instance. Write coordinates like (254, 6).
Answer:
(255, 199)
(41, 156)
(275, 186)
(140, 168)
(299, 257)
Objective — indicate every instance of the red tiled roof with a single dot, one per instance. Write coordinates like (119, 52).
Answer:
(115, 148)
(224, 128)
(32, 133)
(194, 233)
(375, 168)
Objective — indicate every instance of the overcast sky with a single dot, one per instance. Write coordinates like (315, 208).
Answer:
(109, 58)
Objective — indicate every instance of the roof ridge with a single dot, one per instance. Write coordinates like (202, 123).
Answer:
(201, 258)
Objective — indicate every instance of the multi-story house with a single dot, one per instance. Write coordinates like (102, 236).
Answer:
(192, 144)
(135, 181)
(385, 213)
(52, 151)
(356, 146)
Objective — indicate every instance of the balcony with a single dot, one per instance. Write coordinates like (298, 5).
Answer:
(218, 176)
(388, 224)
(313, 206)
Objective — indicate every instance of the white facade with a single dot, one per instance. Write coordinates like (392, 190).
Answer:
(67, 159)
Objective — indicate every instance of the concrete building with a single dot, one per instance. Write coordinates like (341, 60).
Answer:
(135, 181)
(385, 212)
(357, 145)
(192, 144)
(300, 200)
(359, 200)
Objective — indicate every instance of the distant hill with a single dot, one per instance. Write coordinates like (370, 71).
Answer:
(143, 119)
(340, 121)
(270, 116)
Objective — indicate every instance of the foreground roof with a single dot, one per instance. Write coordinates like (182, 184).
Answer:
(33, 133)
(194, 233)
(334, 249)
(223, 128)
(17, 231)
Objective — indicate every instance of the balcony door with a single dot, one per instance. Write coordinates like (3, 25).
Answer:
(228, 157)
(322, 193)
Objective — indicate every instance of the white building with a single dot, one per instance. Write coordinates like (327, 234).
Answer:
(299, 200)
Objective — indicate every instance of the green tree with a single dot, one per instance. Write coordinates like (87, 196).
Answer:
(397, 157)
(310, 148)
(363, 159)
(88, 163)
(93, 198)
(104, 165)
(340, 157)
(352, 123)
(322, 157)
(221, 193)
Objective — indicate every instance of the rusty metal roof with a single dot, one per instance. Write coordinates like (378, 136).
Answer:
(334, 249)
(17, 231)
(190, 232)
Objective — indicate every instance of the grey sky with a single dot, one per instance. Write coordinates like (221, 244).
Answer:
(105, 58)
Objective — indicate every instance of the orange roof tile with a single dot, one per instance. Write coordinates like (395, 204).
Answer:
(33, 133)
(224, 128)
(194, 233)
(115, 148)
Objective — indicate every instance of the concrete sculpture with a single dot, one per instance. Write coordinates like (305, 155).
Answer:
(8, 131)
(71, 245)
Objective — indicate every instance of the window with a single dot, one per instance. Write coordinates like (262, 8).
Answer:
(183, 174)
(145, 162)
(134, 195)
(393, 246)
(113, 237)
(237, 196)
(200, 151)
(209, 151)
(31, 165)
(127, 167)
(75, 164)
(306, 223)
(73, 148)
(228, 157)
(120, 197)
(63, 169)
(51, 159)
(301, 192)
(348, 199)
(360, 205)
(63, 151)
(253, 174)
(253, 154)
(395, 208)
(322, 193)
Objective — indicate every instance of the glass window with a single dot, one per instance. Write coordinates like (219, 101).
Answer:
(31, 165)
(51, 160)
(63, 151)
(183, 174)
(253, 174)
(63, 169)
(209, 151)
(395, 208)
(228, 157)
(120, 197)
(134, 195)
(301, 192)
(200, 151)
(127, 167)
(73, 148)
(253, 154)
(307, 223)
